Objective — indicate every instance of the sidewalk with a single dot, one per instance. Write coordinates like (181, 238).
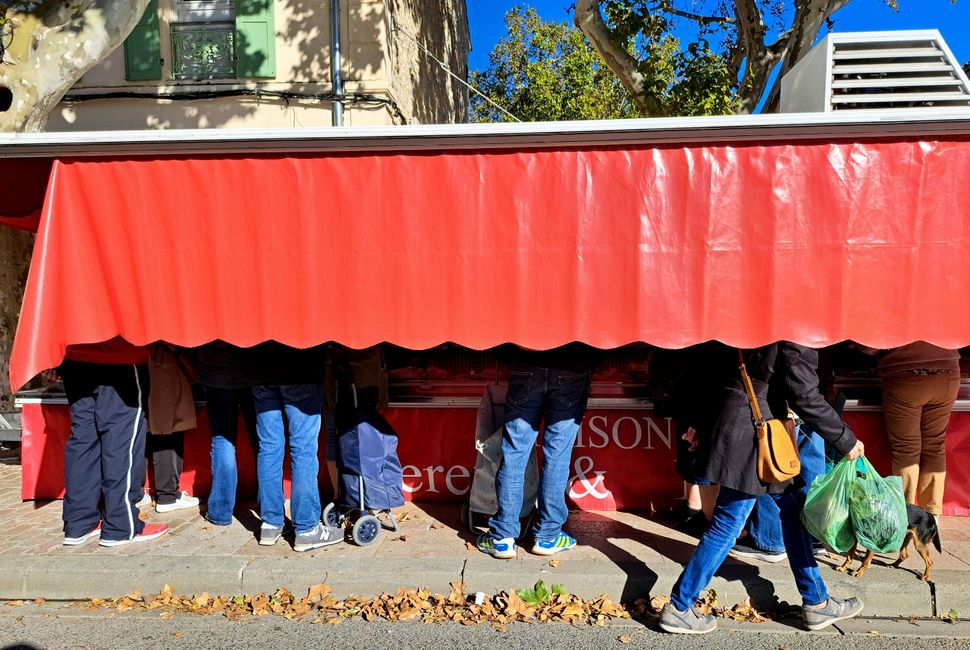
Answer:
(621, 554)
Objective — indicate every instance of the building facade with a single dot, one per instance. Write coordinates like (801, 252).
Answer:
(268, 63)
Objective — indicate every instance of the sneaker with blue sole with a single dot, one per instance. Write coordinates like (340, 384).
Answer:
(562, 542)
(503, 549)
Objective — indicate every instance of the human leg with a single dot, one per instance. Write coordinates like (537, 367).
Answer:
(566, 395)
(730, 513)
(818, 609)
(82, 459)
(764, 525)
(798, 544)
(222, 406)
(523, 409)
(936, 418)
(120, 417)
(167, 451)
(302, 403)
(269, 461)
(902, 406)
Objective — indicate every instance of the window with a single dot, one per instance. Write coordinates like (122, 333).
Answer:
(204, 39)
(210, 39)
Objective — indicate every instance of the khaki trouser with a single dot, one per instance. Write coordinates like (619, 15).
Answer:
(917, 410)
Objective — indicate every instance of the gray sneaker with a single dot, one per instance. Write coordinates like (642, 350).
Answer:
(320, 536)
(270, 534)
(754, 553)
(835, 610)
(689, 622)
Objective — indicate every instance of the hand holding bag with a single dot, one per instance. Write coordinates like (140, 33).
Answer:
(777, 452)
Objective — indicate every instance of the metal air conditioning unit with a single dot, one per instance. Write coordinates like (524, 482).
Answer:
(872, 70)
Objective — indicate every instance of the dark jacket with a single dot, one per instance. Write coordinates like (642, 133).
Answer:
(220, 365)
(733, 452)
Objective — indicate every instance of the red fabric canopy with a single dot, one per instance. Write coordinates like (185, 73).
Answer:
(811, 242)
(24, 181)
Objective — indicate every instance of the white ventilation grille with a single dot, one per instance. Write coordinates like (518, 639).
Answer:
(873, 70)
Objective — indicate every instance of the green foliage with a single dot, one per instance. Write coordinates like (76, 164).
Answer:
(546, 71)
(703, 70)
(540, 594)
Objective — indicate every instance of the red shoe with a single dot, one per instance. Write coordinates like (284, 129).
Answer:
(77, 541)
(148, 533)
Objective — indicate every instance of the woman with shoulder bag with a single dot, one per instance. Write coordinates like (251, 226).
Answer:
(733, 464)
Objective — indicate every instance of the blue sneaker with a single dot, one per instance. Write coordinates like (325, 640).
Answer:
(503, 549)
(562, 542)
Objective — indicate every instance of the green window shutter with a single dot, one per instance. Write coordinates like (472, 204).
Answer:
(143, 48)
(255, 39)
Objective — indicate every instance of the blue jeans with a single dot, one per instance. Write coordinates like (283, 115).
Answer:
(731, 512)
(764, 525)
(558, 397)
(301, 404)
(224, 406)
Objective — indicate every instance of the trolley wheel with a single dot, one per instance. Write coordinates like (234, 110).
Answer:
(366, 529)
(332, 516)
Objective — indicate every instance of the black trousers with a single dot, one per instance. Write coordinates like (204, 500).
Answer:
(167, 451)
(104, 459)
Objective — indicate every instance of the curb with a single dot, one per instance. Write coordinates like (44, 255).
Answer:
(886, 592)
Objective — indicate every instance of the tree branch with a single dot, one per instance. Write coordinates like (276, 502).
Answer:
(590, 21)
(60, 54)
(697, 18)
(797, 41)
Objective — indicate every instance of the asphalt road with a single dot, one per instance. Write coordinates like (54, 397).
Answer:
(54, 626)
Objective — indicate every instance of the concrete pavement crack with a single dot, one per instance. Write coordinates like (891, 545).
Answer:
(242, 572)
(464, 564)
(957, 557)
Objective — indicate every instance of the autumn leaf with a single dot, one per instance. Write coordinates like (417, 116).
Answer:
(624, 639)
(437, 525)
(318, 592)
(554, 563)
(400, 538)
(176, 634)
(15, 603)
(39, 601)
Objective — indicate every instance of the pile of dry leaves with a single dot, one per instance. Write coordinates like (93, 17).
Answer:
(405, 605)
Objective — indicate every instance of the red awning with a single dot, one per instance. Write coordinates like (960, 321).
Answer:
(672, 245)
(25, 181)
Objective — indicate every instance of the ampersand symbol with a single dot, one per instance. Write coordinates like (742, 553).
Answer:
(582, 466)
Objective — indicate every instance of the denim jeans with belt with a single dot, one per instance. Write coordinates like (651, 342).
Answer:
(301, 404)
(224, 406)
(559, 398)
(764, 524)
(731, 512)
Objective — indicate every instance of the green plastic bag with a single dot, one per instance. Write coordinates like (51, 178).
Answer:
(826, 511)
(877, 509)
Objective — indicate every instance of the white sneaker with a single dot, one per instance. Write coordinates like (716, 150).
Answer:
(145, 501)
(184, 501)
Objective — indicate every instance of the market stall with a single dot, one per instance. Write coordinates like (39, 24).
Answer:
(813, 228)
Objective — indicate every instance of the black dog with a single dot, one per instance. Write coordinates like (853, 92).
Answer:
(921, 530)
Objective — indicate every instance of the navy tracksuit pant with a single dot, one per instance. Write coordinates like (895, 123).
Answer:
(104, 460)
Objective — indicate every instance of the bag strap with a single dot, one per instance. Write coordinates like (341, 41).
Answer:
(752, 398)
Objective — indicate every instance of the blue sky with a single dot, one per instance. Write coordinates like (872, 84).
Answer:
(486, 18)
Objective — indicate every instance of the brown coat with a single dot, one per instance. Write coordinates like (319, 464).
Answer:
(171, 406)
